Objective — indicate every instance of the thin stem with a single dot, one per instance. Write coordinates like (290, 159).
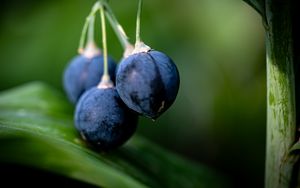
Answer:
(82, 37)
(87, 24)
(91, 29)
(111, 18)
(138, 22)
(119, 31)
(103, 26)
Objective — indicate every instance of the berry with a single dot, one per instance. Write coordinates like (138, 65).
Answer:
(103, 119)
(148, 82)
(84, 72)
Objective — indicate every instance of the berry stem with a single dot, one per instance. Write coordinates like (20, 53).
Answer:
(91, 29)
(138, 22)
(140, 46)
(117, 27)
(82, 38)
(90, 18)
(104, 43)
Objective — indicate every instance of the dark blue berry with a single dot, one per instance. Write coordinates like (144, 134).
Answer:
(82, 73)
(103, 119)
(148, 82)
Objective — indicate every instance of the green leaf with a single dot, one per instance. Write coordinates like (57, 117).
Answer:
(295, 148)
(36, 129)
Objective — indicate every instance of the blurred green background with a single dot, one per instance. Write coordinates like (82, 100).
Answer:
(219, 116)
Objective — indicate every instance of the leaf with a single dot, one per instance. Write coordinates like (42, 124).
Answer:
(36, 129)
(295, 148)
(258, 5)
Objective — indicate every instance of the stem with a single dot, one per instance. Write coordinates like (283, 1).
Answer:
(104, 43)
(140, 46)
(119, 31)
(82, 37)
(90, 18)
(281, 113)
(113, 21)
(138, 23)
(91, 29)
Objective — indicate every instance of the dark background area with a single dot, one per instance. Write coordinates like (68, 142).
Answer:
(13, 175)
(218, 118)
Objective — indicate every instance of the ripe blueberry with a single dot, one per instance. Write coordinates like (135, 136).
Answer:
(148, 82)
(84, 72)
(103, 119)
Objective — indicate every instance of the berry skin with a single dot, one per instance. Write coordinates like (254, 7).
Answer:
(103, 119)
(148, 82)
(82, 73)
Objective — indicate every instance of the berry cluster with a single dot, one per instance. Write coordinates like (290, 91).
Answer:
(109, 98)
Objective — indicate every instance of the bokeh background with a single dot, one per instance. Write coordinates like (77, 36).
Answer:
(219, 116)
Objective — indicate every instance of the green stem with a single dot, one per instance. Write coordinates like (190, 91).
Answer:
(113, 21)
(104, 43)
(82, 37)
(90, 18)
(281, 113)
(119, 31)
(138, 22)
(91, 29)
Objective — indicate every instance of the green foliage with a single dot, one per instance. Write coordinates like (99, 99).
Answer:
(218, 46)
(36, 129)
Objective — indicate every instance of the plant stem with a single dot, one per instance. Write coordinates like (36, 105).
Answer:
(82, 37)
(91, 29)
(281, 113)
(140, 46)
(104, 43)
(89, 22)
(138, 22)
(113, 21)
(117, 27)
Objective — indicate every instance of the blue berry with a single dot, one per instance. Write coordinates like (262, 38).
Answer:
(82, 73)
(148, 82)
(103, 119)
